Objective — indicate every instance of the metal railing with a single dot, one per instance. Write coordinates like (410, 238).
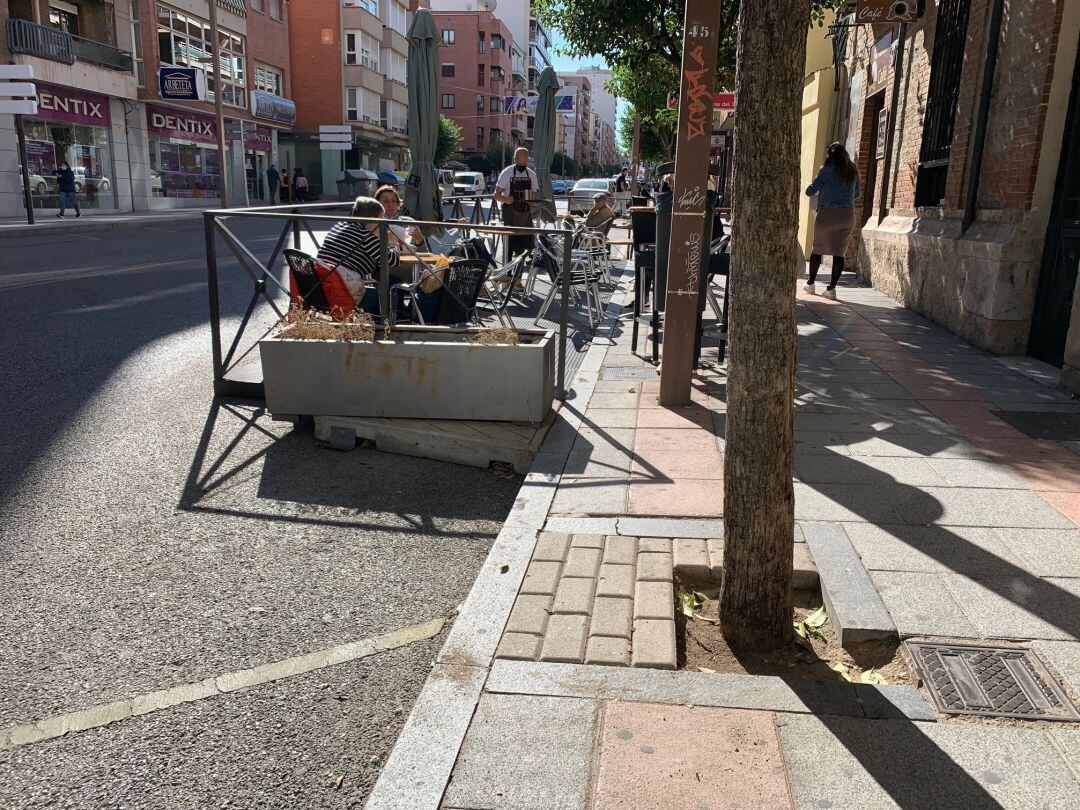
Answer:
(102, 55)
(479, 215)
(32, 39)
(267, 286)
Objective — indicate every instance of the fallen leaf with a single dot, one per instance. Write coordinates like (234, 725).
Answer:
(817, 618)
(843, 670)
(872, 676)
(336, 784)
(503, 568)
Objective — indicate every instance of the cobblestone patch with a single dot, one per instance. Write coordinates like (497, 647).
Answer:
(596, 599)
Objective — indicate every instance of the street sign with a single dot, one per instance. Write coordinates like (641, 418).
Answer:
(17, 106)
(335, 137)
(13, 73)
(886, 11)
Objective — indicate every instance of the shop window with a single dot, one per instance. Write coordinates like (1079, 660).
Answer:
(943, 95)
(448, 101)
(448, 36)
(86, 149)
(181, 169)
(448, 69)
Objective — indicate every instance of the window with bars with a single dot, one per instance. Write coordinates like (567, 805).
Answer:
(943, 94)
(448, 70)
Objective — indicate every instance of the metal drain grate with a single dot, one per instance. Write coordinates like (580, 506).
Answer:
(990, 681)
(627, 373)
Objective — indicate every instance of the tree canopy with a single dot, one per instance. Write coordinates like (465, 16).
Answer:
(449, 143)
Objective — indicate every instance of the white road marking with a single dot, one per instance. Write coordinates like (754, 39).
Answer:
(97, 716)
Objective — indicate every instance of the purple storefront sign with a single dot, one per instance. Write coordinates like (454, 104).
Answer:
(260, 140)
(188, 126)
(72, 106)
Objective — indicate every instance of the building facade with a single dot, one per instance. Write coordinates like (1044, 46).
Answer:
(970, 159)
(579, 139)
(476, 83)
(348, 59)
(98, 70)
(603, 102)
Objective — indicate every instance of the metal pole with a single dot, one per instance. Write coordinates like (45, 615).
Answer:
(979, 140)
(384, 272)
(212, 286)
(564, 313)
(219, 113)
(636, 156)
(27, 199)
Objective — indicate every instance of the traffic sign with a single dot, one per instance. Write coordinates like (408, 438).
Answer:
(338, 145)
(16, 72)
(330, 129)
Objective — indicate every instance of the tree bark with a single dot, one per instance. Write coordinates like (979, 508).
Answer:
(759, 515)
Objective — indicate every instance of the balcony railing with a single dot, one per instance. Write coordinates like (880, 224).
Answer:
(32, 39)
(25, 37)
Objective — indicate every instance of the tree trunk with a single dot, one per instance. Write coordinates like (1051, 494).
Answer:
(759, 515)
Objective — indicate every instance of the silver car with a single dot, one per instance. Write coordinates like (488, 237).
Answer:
(581, 196)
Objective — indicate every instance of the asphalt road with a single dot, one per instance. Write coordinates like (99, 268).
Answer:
(150, 538)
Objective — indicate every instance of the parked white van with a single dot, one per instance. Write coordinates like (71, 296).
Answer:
(469, 183)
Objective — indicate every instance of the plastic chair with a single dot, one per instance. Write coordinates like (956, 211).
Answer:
(316, 284)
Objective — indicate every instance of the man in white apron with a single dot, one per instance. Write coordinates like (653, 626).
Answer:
(512, 189)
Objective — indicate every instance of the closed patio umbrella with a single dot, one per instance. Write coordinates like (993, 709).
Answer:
(423, 78)
(544, 139)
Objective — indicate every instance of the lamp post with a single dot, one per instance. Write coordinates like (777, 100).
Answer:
(219, 113)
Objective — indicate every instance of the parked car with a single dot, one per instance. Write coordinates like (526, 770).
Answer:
(37, 183)
(446, 182)
(101, 184)
(468, 183)
(562, 186)
(581, 196)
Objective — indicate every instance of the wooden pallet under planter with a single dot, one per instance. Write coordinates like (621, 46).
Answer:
(475, 444)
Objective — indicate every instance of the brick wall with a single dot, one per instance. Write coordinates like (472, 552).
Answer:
(465, 85)
(315, 57)
(268, 42)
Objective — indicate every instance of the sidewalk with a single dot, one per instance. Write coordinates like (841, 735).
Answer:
(921, 503)
(47, 222)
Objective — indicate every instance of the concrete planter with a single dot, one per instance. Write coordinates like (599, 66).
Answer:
(423, 372)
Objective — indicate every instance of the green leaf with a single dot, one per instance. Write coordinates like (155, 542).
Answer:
(817, 618)
(800, 628)
(872, 676)
(687, 603)
(815, 633)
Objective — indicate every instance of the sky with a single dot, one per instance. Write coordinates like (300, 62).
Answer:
(568, 63)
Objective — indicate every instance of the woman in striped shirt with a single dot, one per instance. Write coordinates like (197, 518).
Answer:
(354, 248)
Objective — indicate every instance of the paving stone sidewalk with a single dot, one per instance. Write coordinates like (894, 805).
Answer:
(911, 455)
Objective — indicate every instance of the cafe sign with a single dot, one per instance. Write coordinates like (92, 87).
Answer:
(886, 11)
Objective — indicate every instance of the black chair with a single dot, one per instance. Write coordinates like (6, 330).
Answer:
(316, 284)
(462, 283)
(643, 232)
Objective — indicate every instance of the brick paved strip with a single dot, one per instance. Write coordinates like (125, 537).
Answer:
(530, 614)
(612, 617)
(654, 567)
(575, 595)
(587, 541)
(620, 550)
(551, 547)
(654, 600)
(541, 578)
(616, 580)
(519, 646)
(608, 651)
(660, 545)
(653, 643)
(582, 562)
(565, 639)
(692, 558)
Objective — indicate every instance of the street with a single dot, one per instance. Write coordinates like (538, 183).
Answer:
(152, 539)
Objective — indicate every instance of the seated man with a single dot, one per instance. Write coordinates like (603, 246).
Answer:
(354, 248)
(601, 213)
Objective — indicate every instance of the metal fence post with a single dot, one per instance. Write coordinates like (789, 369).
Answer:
(296, 231)
(564, 313)
(384, 270)
(215, 305)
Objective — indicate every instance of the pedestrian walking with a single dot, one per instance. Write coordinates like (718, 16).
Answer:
(65, 182)
(273, 180)
(285, 196)
(836, 187)
(518, 190)
(622, 193)
(300, 186)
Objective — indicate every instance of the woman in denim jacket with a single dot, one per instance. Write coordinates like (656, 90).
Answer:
(837, 188)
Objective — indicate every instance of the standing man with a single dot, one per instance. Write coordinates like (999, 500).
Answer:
(273, 180)
(518, 189)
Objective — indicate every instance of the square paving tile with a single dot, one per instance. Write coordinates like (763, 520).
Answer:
(821, 468)
(966, 506)
(1046, 552)
(1024, 607)
(841, 762)
(525, 752)
(678, 440)
(692, 416)
(921, 605)
(843, 502)
(590, 496)
(932, 549)
(649, 758)
(610, 417)
(1066, 503)
(1064, 656)
(686, 497)
(963, 472)
(670, 464)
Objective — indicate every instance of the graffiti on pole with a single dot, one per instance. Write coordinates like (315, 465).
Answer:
(699, 94)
